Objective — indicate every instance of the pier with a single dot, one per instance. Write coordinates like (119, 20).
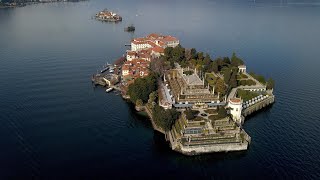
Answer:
(108, 76)
(98, 79)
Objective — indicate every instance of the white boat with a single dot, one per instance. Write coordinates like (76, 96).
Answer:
(109, 89)
(104, 69)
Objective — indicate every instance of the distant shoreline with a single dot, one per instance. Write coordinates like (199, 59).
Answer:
(14, 5)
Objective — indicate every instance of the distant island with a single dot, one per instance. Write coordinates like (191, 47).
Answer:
(198, 103)
(108, 16)
(11, 4)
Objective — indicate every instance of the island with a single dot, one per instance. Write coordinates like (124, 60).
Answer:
(198, 103)
(108, 16)
(11, 4)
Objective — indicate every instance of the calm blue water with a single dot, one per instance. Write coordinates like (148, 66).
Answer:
(54, 124)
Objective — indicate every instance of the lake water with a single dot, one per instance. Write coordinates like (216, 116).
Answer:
(55, 124)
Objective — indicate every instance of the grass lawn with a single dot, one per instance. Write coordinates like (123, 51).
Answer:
(246, 95)
(247, 82)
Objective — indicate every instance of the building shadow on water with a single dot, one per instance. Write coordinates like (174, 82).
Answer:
(266, 110)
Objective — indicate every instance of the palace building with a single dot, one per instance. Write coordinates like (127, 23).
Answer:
(189, 89)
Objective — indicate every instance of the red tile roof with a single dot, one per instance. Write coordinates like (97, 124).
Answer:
(153, 35)
(169, 38)
(158, 49)
(140, 39)
(131, 53)
(161, 43)
(235, 100)
(152, 44)
(138, 42)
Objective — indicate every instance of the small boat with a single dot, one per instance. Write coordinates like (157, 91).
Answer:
(111, 71)
(109, 89)
(130, 28)
(103, 70)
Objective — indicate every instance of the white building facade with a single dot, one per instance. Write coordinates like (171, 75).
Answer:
(235, 106)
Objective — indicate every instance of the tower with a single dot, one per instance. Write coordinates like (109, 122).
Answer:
(235, 105)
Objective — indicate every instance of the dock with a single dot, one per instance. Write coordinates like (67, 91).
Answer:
(106, 77)
(97, 79)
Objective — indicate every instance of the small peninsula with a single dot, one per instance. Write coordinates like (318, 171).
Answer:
(198, 103)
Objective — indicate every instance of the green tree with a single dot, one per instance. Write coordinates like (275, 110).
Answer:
(164, 118)
(222, 112)
(178, 54)
(270, 83)
(211, 67)
(227, 75)
(139, 102)
(152, 97)
(207, 59)
(236, 61)
(220, 86)
(260, 78)
(194, 53)
(226, 60)
(233, 80)
(159, 65)
(191, 114)
(168, 52)
(200, 56)
(193, 63)
(214, 67)
(142, 87)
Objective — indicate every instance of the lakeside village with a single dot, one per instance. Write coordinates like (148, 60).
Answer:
(199, 104)
(21, 3)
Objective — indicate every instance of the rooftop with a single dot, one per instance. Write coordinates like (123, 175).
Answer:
(192, 79)
(235, 100)
(131, 53)
(169, 38)
(158, 49)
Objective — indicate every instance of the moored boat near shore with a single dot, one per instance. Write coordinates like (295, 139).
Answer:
(109, 89)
